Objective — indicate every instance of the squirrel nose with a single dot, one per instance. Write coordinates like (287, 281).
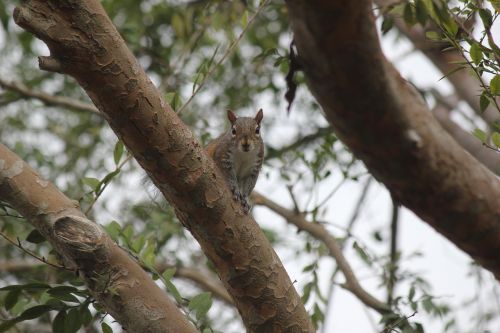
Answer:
(245, 146)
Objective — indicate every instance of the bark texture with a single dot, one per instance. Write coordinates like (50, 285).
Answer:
(383, 120)
(84, 44)
(115, 280)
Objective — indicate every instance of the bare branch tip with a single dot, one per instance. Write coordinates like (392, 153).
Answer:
(50, 64)
(21, 16)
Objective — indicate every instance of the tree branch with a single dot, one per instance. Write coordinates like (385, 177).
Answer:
(393, 253)
(386, 124)
(319, 232)
(446, 59)
(129, 294)
(49, 99)
(473, 145)
(82, 38)
(212, 285)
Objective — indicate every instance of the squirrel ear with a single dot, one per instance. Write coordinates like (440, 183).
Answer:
(258, 116)
(231, 116)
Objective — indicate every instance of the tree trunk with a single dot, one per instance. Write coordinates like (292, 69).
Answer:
(386, 124)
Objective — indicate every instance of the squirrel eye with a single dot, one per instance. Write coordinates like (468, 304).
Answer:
(233, 131)
(257, 130)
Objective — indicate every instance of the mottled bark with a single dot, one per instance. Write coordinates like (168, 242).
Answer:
(84, 44)
(381, 118)
(114, 279)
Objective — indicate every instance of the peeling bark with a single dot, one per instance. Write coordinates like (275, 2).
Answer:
(84, 44)
(114, 279)
(383, 120)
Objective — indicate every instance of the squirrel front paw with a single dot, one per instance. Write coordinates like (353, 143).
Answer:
(246, 205)
(237, 196)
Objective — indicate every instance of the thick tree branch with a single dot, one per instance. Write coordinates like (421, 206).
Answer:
(114, 279)
(386, 124)
(319, 232)
(87, 46)
(49, 99)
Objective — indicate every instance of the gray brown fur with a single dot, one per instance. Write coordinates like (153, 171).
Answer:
(239, 153)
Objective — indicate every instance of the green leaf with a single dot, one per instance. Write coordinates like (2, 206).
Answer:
(63, 293)
(495, 85)
(420, 12)
(73, 321)
(106, 328)
(428, 304)
(85, 315)
(173, 290)
(408, 14)
(480, 134)
(387, 24)
(178, 25)
(200, 304)
(29, 286)
(138, 244)
(35, 312)
(58, 323)
(93, 183)
(118, 152)
(11, 298)
(35, 237)
(486, 17)
(309, 268)
(169, 273)
(306, 293)
(495, 138)
(244, 19)
(475, 53)
(484, 102)
(113, 229)
(432, 35)
(411, 293)
(148, 256)
(174, 100)
(361, 253)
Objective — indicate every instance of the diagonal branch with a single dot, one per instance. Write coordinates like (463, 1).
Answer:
(113, 278)
(386, 124)
(489, 158)
(319, 232)
(84, 44)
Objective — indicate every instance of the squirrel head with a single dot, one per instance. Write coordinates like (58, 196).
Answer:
(245, 131)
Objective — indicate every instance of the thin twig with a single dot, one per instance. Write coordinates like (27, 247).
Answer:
(224, 56)
(28, 252)
(399, 321)
(49, 99)
(97, 195)
(393, 262)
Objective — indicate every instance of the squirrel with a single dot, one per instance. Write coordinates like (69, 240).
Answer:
(238, 153)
